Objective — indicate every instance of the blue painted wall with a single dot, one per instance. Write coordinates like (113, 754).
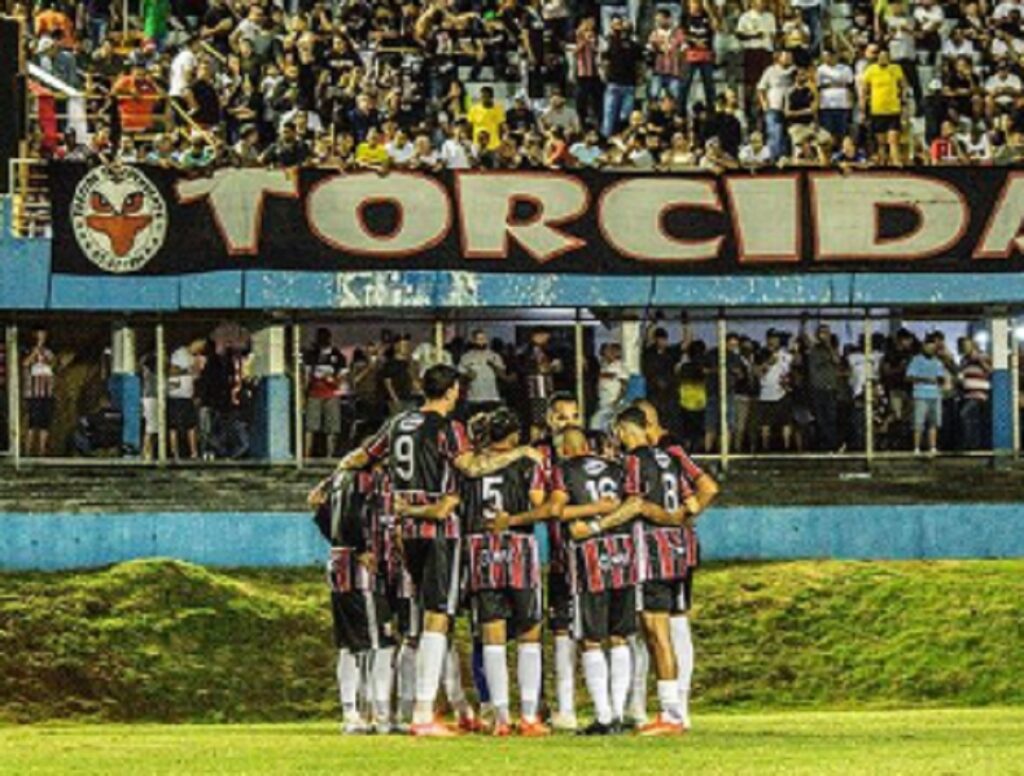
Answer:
(57, 541)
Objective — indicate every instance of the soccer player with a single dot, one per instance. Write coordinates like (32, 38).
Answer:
(426, 451)
(504, 574)
(705, 489)
(588, 497)
(656, 479)
(360, 612)
(563, 413)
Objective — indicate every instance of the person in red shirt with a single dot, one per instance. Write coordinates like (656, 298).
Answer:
(946, 148)
(137, 95)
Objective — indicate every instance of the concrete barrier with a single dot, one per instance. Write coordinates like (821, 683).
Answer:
(64, 541)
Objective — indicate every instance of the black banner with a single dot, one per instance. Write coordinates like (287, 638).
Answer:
(149, 220)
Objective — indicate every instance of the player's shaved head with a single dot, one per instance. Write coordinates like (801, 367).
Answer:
(649, 410)
(503, 426)
(574, 443)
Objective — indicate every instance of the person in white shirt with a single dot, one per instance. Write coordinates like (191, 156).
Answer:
(183, 67)
(400, 149)
(977, 144)
(756, 30)
(424, 156)
(611, 386)
(1002, 89)
(182, 417)
(774, 409)
(835, 95)
(457, 151)
(755, 154)
(560, 115)
(900, 29)
(1004, 9)
(929, 18)
(775, 84)
(484, 368)
(957, 46)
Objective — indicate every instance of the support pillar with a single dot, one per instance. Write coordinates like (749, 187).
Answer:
(126, 387)
(13, 397)
(272, 409)
(1002, 387)
(632, 355)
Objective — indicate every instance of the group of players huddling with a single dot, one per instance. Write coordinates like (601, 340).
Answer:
(427, 520)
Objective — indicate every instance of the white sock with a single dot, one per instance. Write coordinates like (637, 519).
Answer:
(595, 673)
(406, 682)
(348, 683)
(383, 679)
(682, 644)
(622, 677)
(668, 699)
(452, 677)
(529, 680)
(638, 691)
(565, 679)
(496, 671)
(429, 661)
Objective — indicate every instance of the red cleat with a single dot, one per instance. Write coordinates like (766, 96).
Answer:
(534, 729)
(501, 730)
(661, 727)
(433, 729)
(470, 724)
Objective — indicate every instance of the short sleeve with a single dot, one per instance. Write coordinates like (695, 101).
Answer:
(377, 447)
(456, 440)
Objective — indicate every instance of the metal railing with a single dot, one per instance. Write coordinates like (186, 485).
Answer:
(29, 199)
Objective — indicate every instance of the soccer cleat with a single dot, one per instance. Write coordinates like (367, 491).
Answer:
(661, 727)
(501, 730)
(533, 729)
(564, 722)
(355, 727)
(596, 728)
(433, 729)
(383, 728)
(470, 724)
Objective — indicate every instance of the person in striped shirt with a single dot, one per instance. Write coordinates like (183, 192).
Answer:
(974, 377)
(39, 364)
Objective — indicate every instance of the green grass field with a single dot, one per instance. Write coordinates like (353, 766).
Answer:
(164, 641)
(989, 741)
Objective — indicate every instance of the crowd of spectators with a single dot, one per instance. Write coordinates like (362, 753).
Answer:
(802, 388)
(808, 391)
(430, 84)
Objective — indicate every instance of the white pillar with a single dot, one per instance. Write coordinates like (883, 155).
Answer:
(13, 393)
(297, 394)
(161, 395)
(123, 351)
(632, 356)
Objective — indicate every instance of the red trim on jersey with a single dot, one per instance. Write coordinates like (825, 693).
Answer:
(633, 484)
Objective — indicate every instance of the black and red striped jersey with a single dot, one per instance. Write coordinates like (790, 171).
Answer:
(656, 476)
(587, 479)
(506, 490)
(421, 448)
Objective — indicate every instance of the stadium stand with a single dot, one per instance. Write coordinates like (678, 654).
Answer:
(526, 83)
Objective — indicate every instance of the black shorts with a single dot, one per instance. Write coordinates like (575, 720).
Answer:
(560, 614)
(775, 414)
(606, 614)
(434, 566)
(40, 413)
(521, 609)
(881, 125)
(662, 596)
(362, 621)
(181, 415)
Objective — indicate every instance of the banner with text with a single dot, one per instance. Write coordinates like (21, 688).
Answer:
(149, 220)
